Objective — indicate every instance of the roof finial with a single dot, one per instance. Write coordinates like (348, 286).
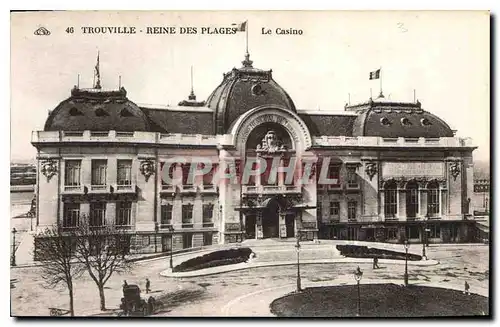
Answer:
(192, 96)
(97, 73)
(247, 62)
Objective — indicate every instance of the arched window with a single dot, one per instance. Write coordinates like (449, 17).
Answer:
(390, 200)
(433, 199)
(411, 199)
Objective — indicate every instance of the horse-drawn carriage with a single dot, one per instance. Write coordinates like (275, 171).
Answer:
(135, 305)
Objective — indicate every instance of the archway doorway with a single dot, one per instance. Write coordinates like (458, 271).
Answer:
(270, 219)
(250, 225)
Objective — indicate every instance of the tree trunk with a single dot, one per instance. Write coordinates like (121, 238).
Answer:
(101, 295)
(71, 308)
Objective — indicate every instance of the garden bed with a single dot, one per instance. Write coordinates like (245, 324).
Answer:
(359, 251)
(380, 300)
(215, 259)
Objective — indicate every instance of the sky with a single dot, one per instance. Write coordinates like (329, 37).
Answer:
(444, 56)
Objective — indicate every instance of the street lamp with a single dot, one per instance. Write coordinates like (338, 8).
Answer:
(13, 257)
(171, 230)
(297, 246)
(424, 236)
(358, 274)
(156, 236)
(406, 262)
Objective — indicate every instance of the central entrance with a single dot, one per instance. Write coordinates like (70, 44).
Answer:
(270, 219)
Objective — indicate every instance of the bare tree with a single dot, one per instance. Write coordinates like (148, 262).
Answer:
(102, 250)
(56, 250)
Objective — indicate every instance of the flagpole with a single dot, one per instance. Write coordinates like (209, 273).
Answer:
(246, 31)
(381, 94)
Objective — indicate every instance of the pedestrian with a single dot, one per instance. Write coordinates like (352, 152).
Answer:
(148, 286)
(466, 287)
(375, 263)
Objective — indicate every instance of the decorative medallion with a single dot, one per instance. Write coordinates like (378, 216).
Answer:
(147, 168)
(271, 144)
(371, 169)
(455, 169)
(49, 168)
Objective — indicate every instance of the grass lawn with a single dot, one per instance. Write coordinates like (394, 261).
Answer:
(379, 300)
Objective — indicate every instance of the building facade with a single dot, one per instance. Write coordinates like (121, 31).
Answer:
(396, 171)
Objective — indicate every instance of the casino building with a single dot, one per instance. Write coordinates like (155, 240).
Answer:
(399, 171)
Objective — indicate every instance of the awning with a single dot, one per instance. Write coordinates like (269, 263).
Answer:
(483, 226)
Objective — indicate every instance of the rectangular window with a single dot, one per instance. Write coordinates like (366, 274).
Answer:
(391, 203)
(166, 243)
(334, 174)
(334, 209)
(187, 216)
(123, 213)
(208, 177)
(252, 178)
(412, 232)
(433, 202)
(208, 212)
(166, 214)
(186, 180)
(351, 210)
(187, 240)
(207, 239)
(72, 172)
(99, 172)
(71, 215)
(124, 172)
(352, 177)
(435, 231)
(97, 213)
(171, 173)
(392, 233)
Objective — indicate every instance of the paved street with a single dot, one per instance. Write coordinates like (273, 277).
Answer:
(246, 292)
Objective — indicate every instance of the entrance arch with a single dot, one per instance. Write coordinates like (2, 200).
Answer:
(270, 218)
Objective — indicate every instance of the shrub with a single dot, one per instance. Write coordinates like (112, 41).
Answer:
(359, 251)
(215, 259)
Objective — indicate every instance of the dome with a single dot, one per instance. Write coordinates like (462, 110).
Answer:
(397, 119)
(97, 110)
(243, 89)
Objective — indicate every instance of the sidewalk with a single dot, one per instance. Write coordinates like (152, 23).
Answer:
(256, 264)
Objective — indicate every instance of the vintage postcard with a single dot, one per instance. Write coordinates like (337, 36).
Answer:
(250, 163)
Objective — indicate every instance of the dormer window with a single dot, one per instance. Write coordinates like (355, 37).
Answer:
(425, 122)
(126, 113)
(257, 89)
(101, 112)
(405, 121)
(385, 121)
(75, 112)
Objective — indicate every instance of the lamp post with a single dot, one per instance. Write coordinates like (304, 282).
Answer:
(358, 274)
(424, 237)
(156, 236)
(171, 230)
(406, 262)
(13, 257)
(297, 246)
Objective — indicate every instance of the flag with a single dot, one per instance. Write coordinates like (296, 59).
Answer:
(375, 74)
(242, 27)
